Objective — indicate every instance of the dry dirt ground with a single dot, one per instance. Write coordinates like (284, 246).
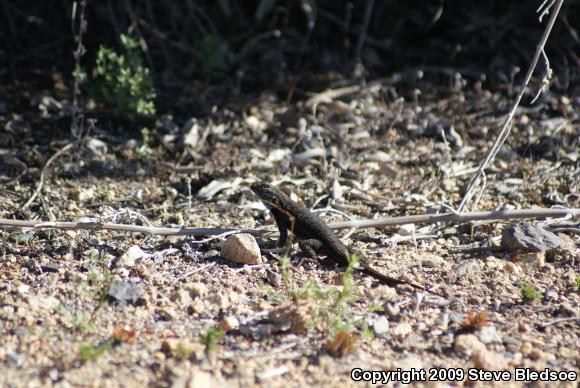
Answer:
(188, 317)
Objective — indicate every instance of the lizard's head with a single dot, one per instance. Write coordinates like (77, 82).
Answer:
(270, 195)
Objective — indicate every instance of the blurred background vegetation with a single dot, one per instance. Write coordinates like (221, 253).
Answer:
(194, 54)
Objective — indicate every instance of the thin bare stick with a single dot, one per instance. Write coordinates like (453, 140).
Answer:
(194, 271)
(95, 225)
(215, 237)
(475, 183)
(330, 94)
(361, 224)
(42, 174)
(456, 217)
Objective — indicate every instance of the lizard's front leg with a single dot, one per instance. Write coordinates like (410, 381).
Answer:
(283, 226)
(285, 222)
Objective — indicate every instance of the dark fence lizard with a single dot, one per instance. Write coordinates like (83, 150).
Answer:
(312, 233)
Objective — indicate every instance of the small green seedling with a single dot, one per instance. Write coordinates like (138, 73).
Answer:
(211, 337)
(530, 293)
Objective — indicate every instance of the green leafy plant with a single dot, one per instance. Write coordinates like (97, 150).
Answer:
(339, 316)
(211, 337)
(578, 282)
(333, 313)
(90, 352)
(99, 279)
(530, 293)
(143, 152)
(123, 80)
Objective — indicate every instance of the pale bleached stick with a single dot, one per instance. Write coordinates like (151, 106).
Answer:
(361, 224)
(95, 225)
(457, 217)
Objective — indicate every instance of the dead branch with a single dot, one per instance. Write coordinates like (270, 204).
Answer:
(95, 225)
(361, 224)
(457, 217)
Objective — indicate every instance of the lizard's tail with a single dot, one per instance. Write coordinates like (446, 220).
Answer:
(389, 281)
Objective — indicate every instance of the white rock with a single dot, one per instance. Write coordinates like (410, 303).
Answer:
(96, 149)
(131, 256)
(23, 289)
(381, 325)
(488, 334)
(190, 133)
(407, 230)
(254, 123)
(229, 323)
(242, 248)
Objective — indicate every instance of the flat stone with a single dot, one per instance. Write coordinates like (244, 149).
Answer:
(124, 291)
(511, 341)
(50, 267)
(95, 148)
(529, 238)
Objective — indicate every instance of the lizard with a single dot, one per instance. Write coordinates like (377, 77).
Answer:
(312, 233)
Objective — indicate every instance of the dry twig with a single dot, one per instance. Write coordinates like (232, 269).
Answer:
(369, 223)
(477, 181)
(42, 174)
